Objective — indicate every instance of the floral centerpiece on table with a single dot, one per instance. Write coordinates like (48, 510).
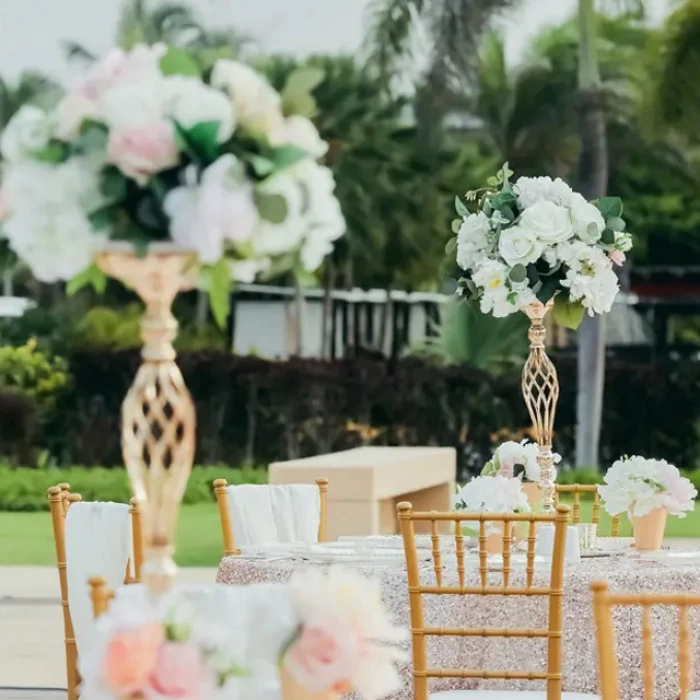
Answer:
(518, 459)
(647, 490)
(151, 147)
(343, 642)
(534, 240)
(637, 485)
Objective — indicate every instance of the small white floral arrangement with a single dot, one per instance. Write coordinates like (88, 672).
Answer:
(343, 642)
(492, 494)
(517, 459)
(637, 485)
(151, 146)
(536, 239)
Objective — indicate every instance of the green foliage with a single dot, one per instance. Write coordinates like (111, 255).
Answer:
(34, 373)
(25, 489)
(466, 336)
(568, 313)
(107, 328)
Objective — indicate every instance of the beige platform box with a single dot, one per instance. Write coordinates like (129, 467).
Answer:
(366, 484)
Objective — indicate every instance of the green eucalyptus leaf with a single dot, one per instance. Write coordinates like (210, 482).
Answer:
(203, 138)
(271, 207)
(518, 273)
(178, 61)
(609, 207)
(102, 218)
(451, 247)
(54, 152)
(90, 276)
(296, 94)
(492, 181)
(568, 313)
(608, 237)
(456, 225)
(262, 167)
(284, 156)
(113, 184)
(461, 207)
(616, 224)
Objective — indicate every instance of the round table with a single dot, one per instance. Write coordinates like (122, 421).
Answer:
(628, 573)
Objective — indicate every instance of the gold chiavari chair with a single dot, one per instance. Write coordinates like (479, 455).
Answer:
(422, 673)
(221, 492)
(577, 490)
(60, 500)
(603, 604)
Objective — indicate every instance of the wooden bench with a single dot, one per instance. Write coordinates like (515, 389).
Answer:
(366, 483)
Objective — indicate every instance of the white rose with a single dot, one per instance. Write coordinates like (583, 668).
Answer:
(189, 101)
(128, 106)
(220, 208)
(472, 239)
(245, 271)
(587, 220)
(548, 221)
(300, 132)
(518, 245)
(531, 190)
(256, 103)
(70, 114)
(28, 131)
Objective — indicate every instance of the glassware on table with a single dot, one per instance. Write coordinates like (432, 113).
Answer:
(587, 536)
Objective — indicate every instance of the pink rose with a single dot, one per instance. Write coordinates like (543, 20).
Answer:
(180, 672)
(143, 151)
(323, 656)
(618, 257)
(131, 657)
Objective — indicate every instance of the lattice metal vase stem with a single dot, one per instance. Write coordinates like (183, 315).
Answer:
(158, 416)
(540, 386)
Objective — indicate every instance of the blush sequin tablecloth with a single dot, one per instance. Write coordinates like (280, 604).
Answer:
(624, 573)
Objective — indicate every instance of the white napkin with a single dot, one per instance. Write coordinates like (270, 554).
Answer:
(98, 543)
(306, 511)
(251, 513)
(283, 512)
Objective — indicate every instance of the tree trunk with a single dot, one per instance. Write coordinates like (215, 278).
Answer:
(593, 182)
(327, 325)
(202, 310)
(299, 313)
(7, 283)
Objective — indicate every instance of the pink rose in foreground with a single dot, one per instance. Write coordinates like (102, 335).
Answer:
(618, 257)
(131, 657)
(323, 656)
(143, 151)
(180, 672)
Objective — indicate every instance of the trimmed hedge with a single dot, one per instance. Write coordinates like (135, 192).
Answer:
(25, 489)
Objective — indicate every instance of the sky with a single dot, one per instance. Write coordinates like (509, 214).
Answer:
(31, 31)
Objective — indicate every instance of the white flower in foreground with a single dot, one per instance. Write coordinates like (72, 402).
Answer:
(531, 190)
(132, 105)
(637, 485)
(518, 245)
(587, 220)
(189, 101)
(550, 222)
(473, 239)
(257, 104)
(204, 216)
(345, 634)
(523, 454)
(300, 132)
(70, 113)
(28, 131)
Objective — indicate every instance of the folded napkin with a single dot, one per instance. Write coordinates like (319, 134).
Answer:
(98, 543)
(274, 514)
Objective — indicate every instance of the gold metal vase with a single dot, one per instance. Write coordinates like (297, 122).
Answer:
(158, 416)
(540, 387)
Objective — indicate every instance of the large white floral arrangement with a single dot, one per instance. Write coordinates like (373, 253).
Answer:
(517, 459)
(492, 494)
(146, 148)
(637, 486)
(535, 239)
(343, 642)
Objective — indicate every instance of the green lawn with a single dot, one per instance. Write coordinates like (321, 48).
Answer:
(26, 538)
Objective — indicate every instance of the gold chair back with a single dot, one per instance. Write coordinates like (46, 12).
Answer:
(221, 492)
(577, 490)
(60, 500)
(416, 590)
(603, 604)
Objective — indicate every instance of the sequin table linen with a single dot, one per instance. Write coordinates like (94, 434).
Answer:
(624, 573)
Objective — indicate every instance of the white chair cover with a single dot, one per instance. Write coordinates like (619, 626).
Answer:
(276, 513)
(98, 543)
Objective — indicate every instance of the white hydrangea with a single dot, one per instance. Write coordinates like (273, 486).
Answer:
(531, 190)
(590, 277)
(588, 222)
(637, 485)
(492, 494)
(473, 240)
